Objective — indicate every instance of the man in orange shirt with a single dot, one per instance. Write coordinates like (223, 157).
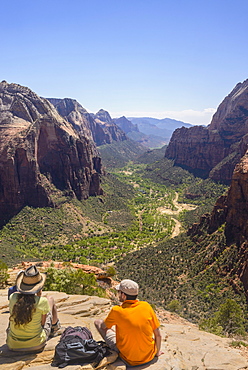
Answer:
(136, 335)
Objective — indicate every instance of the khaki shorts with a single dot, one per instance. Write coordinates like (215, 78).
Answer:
(110, 339)
(48, 324)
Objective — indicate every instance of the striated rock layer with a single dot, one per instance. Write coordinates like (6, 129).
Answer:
(214, 150)
(39, 152)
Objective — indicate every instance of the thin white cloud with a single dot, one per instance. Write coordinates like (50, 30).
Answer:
(195, 117)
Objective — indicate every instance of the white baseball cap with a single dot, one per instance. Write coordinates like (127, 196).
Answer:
(127, 286)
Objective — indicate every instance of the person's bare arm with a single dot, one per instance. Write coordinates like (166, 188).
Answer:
(101, 327)
(43, 317)
(158, 339)
(43, 320)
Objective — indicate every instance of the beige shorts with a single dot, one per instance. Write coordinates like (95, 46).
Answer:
(48, 324)
(110, 339)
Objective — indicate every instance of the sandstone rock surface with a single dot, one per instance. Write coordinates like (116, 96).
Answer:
(112, 131)
(214, 150)
(184, 346)
(100, 127)
(40, 152)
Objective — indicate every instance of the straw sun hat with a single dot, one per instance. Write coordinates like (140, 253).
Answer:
(30, 281)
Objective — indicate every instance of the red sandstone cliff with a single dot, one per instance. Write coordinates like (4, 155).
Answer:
(214, 150)
(39, 152)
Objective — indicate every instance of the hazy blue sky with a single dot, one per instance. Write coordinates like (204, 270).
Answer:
(159, 58)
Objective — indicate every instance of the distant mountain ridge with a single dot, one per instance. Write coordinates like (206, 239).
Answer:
(126, 125)
(133, 132)
(150, 132)
(103, 129)
(159, 127)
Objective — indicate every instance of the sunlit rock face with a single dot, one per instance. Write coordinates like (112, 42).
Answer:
(98, 127)
(111, 130)
(214, 151)
(40, 152)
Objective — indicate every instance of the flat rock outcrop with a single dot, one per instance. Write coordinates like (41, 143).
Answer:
(185, 346)
(40, 152)
(214, 150)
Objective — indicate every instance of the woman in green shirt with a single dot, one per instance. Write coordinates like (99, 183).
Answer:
(33, 318)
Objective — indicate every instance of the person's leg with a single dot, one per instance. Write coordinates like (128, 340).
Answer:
(48, 325)
(108, 335)
(56, 327)
(53, 309)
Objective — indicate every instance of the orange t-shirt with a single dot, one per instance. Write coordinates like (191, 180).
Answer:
(135, 322)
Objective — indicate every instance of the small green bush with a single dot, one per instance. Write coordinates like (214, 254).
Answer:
(174, 306)
(238, 343)
(72, 281)
(228, 320)
(210, 325)
(111, 271)
(230, 317)
(3, 273)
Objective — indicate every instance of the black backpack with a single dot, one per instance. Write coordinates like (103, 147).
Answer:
(77, 346)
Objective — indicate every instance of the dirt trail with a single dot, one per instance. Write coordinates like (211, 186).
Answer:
(179, 208)
(177, 227)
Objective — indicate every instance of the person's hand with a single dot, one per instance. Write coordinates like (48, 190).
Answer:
(159, 353)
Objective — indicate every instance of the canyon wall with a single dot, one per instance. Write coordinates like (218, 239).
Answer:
(99, 127)
(231, 212)
(213, 151)
(40, 152)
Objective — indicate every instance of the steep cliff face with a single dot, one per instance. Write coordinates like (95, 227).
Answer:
(237, 203)
(196, 149)
(214, 150)
(74, 113)
(100, 127)
(231, 210)
(111, 130)
(39, 150)
(126, 125)
(231, 118)
(236, 219)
